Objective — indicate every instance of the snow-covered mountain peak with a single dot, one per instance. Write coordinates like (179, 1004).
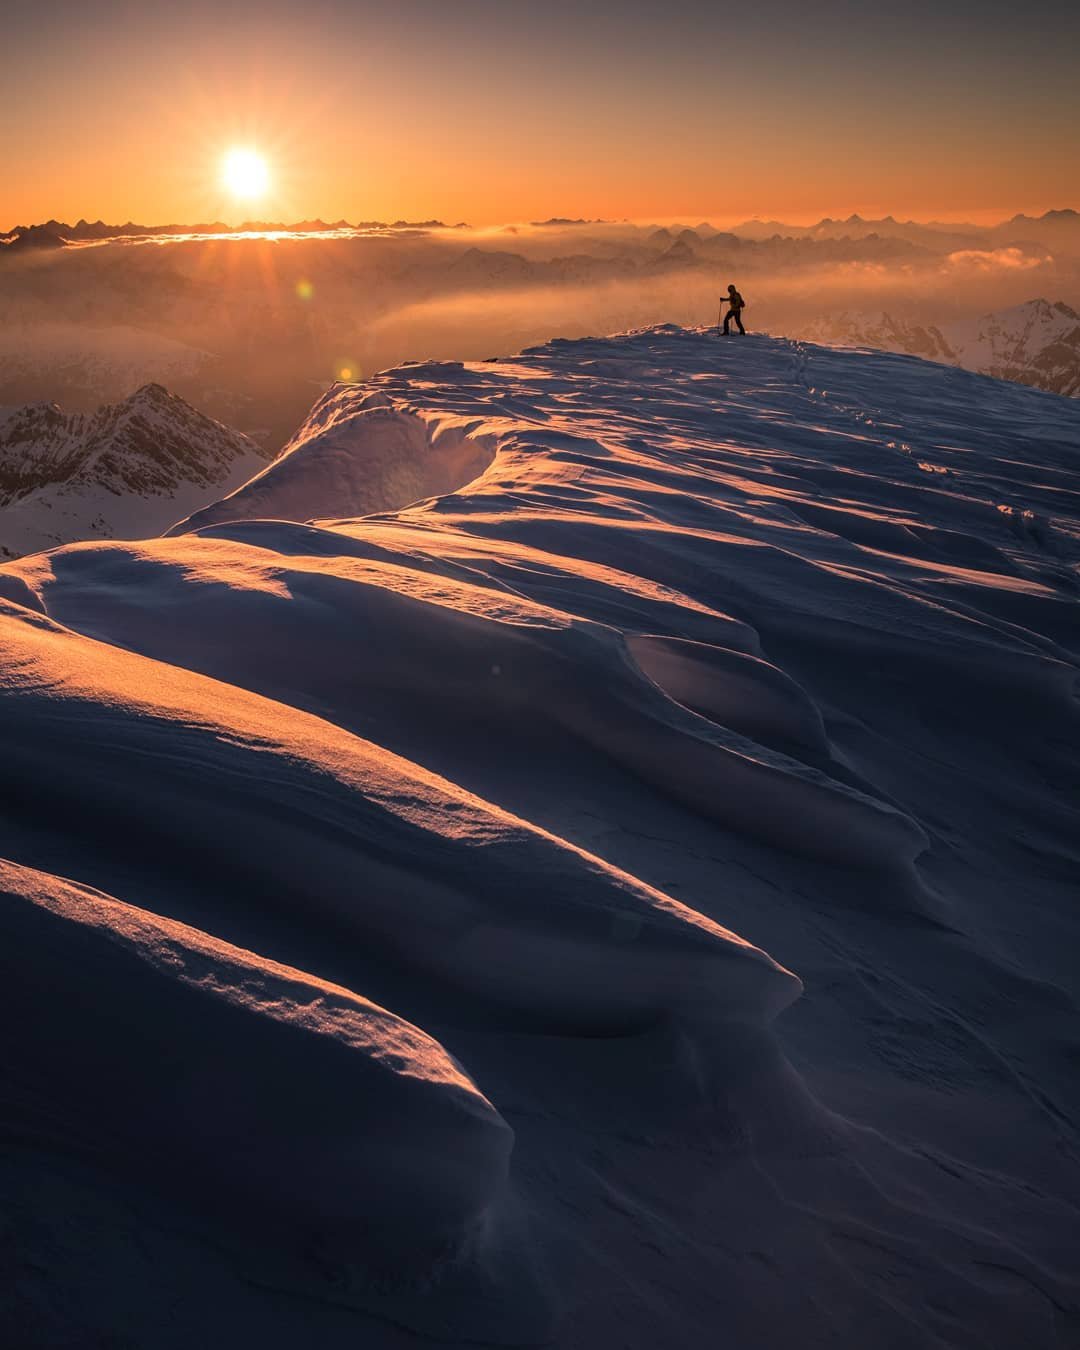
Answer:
(1035, 343)
(151, 394)
(131, 467)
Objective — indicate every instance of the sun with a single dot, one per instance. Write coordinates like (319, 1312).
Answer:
(245, 173)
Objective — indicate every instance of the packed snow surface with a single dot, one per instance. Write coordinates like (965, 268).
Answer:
(416, 858)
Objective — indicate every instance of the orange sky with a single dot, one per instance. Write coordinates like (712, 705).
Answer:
(492, 112)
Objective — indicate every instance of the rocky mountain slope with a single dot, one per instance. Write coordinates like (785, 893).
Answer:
(130, 469)
(1037, 343)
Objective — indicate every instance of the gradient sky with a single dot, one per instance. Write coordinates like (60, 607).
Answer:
(496, 110)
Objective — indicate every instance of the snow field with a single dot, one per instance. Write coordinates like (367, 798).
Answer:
(574, 711)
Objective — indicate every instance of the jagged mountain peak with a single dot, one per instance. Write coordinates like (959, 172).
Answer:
(152, 392)
(131, 467)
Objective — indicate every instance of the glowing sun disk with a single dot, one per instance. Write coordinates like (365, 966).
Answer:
(245, 173)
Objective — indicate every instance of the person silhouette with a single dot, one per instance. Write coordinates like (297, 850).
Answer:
(736, 306)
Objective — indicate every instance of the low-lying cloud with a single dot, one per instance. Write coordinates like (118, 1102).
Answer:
(998, 259)
(250, 329)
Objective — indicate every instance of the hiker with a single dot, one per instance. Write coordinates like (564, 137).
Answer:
(737, 305)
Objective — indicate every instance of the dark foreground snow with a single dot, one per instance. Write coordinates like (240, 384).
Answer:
(399, 909)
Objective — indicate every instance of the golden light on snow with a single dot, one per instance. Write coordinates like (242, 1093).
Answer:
(245, 173)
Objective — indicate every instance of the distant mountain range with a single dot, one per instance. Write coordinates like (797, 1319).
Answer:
(1037, 343)
(57, 233)
(1055, 227)
(130, 470)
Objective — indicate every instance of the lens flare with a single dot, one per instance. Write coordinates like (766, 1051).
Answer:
(305, 290)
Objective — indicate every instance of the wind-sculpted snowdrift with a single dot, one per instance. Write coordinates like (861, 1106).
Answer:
(362, 840)
(393, 628)
(458, 773)
(406, 455)
(265, 1083)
